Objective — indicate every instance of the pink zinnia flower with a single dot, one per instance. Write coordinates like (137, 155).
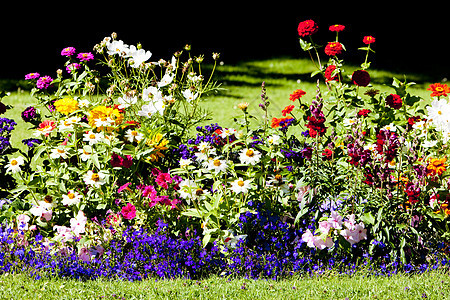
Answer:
(85, 56)
(163, 179)
(32, 76)
(44, 82)
(68, 51)
(72, 67)
(129, 211)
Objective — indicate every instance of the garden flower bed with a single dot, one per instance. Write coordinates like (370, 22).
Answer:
(120, 181)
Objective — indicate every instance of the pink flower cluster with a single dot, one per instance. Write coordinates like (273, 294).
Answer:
(349, 229)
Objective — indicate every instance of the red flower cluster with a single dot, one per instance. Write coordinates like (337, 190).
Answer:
(368, 40)
(307, 28)
(327, 154)
(337, 28)
(316, 126)
(387, 144)
(394, 101)
(296, 95)
(333, 48)
(361, 78)
(329, 72)
(364, 112)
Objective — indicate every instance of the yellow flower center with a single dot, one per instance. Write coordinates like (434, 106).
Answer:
(240, 183)
(134, 133)
(95, 177)
(249, 153)
(278, 177)
(14, 162)
(71, 195)
(439, 89)
(439, 112)
(60, 151)
(92, 136)
(217, 162)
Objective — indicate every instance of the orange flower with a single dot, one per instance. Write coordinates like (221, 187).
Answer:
(296, 95)
(287, 110)
(436, 166)
(438, 89)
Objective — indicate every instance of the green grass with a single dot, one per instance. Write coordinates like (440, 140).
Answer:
(242, 83)
(433, 285)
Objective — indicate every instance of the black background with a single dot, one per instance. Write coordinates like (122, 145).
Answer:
(413, 39)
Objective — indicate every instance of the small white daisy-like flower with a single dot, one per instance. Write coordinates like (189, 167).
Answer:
(429, 144)
(185, 162)
(14, 165)
(84, 154)
(241, 186)
(58, 153)
(227, 132)
(349, 121)
(249, 156)
(390, 127)
(94, 179)
(93, 137)
(133, 135)
(72, 198)
(274, 139)
(126, 101)
(83, 103)
(189, 95)
(217, 165)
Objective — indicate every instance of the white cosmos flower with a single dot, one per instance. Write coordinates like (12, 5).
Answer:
(166, 80)
(147, 110)
(150, 93)
(138, 57)
(94, 179)
(117, 47)
(126, 101)
(133, 135)
(189, 95)
(227, 132)
(58, 153)
(84, 155)
(439, 113)
(14, 165)
(83, 103)
(249, 156)
(217, 165)
(187, 189)
(241, 186)
(274, 139)
(93, 137)
(72, 198)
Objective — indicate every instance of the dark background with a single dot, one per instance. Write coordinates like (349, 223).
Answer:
(408, 39)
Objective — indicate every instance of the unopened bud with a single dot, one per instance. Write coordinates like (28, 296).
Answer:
(216, 56)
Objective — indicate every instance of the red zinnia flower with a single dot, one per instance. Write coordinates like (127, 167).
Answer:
(368, 40)
(307, 28)
(296, 95)
(361, 78)
(364, 112)
(327, 154)
(438, 89)
(287, 110)
(333, 48)
(394, 101)
(329, 72)
(337, 28)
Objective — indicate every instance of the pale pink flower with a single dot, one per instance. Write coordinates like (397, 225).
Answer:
(335, 220)
(22, 222)
(308, 238)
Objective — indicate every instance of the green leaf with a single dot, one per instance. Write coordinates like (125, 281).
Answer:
(368, 218)
(206, 240)
(305, 45)
(192, 212)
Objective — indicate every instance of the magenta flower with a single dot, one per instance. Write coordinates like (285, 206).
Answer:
(119, 161)
(32, 76)
(148, 191)
(129, 211)
(72, 67)
(163, 179)
(44, 82)
(68, 51)
(124, 187)
(85, 56)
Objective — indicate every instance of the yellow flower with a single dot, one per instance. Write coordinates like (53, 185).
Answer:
(101, 114)
(159, 144)
(66, 105)
(436, 166)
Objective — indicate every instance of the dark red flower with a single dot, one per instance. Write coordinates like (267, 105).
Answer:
(333, 48)
(394, 101)
(316, 126)
(307, 28)
(361, 78)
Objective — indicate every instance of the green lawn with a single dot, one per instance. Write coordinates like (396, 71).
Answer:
(433, 285)
(242, 83)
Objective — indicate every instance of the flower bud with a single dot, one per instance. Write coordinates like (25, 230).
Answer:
(187, 47)
(215, 56)
(114, 35)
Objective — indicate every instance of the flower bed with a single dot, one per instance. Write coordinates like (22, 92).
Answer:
(116, 183)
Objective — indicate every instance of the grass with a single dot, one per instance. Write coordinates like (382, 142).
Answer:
(242, 83)
(432, 285)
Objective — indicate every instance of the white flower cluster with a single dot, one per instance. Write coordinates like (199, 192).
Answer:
(136, 56)
(439, 117)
